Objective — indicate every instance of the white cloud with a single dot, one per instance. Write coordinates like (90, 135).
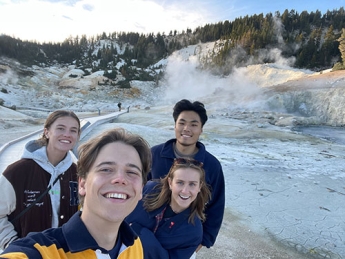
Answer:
(56, 21)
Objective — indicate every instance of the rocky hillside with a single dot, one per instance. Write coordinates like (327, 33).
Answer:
(59, 87)
(315, 99)
(294, 97)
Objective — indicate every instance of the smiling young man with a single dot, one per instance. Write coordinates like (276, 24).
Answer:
(190, 118)
(112, 169)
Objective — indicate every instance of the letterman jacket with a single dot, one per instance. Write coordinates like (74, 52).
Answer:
(73, 241)
(163, 158)
(22, 183)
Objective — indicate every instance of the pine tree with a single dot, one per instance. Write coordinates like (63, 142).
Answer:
(342, 45)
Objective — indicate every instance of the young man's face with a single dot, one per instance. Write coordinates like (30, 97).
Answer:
(113, 185)
(188, 128)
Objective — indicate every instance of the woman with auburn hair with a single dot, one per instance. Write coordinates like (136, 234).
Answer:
(169, 218)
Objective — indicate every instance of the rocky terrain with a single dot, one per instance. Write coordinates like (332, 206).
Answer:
(318, 98)
(304, 97)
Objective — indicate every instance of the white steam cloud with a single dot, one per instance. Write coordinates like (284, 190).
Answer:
(8, 77)
(243, 89)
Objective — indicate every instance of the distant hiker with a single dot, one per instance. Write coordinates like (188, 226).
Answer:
(112, 169)
(46, 195)
(119, 105)
(189, 121)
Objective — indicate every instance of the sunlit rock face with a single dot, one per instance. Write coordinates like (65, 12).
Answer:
(312, 106)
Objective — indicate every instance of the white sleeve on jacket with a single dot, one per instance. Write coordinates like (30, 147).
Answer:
(7, 206)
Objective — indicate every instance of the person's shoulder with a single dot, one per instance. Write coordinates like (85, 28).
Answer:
(18, 166)
(36, 236)
(157, 146)
(210, 161)
(208, 157)
(164, 144)
(212, 158)
(34, 242)
(150, 185)
(48, 236)
(23, 162)
(157, 149)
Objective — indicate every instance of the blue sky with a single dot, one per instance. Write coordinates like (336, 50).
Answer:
(56, 20)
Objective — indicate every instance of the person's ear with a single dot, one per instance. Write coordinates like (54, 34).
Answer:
(169, 181)
(82, 186)
(46, 133)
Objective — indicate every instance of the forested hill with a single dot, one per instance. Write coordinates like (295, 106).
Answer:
(310, 39)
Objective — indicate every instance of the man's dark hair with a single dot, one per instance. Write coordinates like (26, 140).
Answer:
(186, 105)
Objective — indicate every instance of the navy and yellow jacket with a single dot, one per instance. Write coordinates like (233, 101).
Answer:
(162, 159)
(73, 241)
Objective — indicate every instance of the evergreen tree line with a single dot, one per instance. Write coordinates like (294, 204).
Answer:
(311, 38)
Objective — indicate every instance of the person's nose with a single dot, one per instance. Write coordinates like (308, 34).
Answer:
(185, 189)
(119, 177)
(186, 127)
(67, 133)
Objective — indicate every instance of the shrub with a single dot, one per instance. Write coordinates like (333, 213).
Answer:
(338, 66)
(124, 84)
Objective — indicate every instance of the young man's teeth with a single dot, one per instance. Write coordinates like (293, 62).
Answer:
(65, 141)
(116, 196)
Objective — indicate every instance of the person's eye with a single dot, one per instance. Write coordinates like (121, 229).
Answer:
(105, 170)
(133, 173)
